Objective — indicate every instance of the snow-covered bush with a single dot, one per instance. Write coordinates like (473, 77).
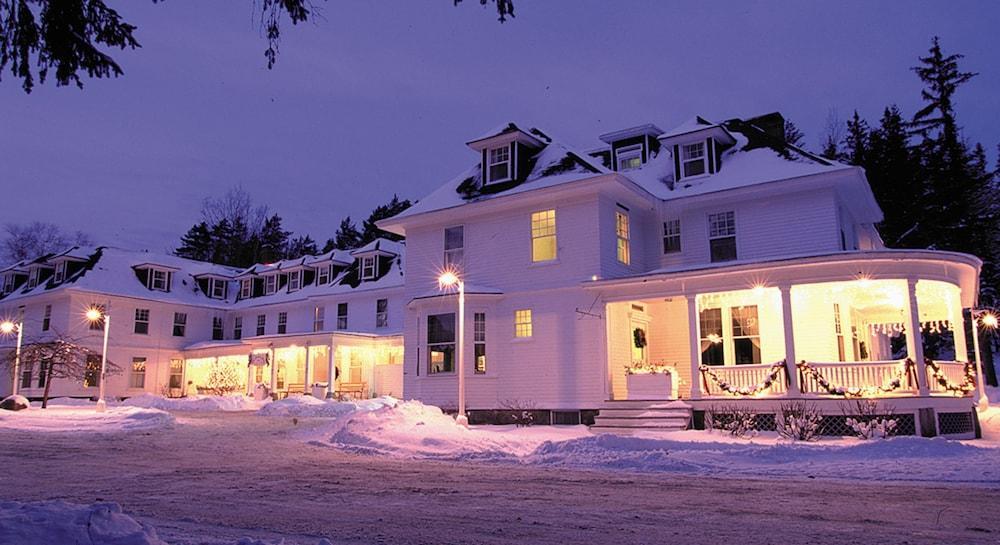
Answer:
(14, 403)
(868, 420)
(520, 413)
(798, 421)
(223, 380)
(736, 420)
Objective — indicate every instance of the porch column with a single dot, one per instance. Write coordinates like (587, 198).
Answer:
(249, 377)
(331, 370)
(958, 331)
(274, 369)
(914, 338)
(790, 360)
(306, 390)
(695, 337)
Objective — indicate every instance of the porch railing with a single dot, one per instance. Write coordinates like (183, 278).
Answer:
(852, 379)
(951, 377)
(757, 380)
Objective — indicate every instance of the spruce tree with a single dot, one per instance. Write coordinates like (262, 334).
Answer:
(273, 240)
(346, 237)
(299, 246)
(893, 176)
(371, 231)
(196, 243)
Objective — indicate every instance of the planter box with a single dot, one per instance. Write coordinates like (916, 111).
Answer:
(651, 386)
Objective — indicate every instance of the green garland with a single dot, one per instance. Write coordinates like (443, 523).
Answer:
(894, 384)
(707, 372)
(968, 385)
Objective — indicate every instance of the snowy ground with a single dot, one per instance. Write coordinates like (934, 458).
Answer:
(85, 419)
(381, 471)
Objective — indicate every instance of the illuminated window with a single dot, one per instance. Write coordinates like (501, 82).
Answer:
(522, 323)
(499, 164)
(180, 323)
(543, 235)
(722, 236)
(282, 323)
(440, 343)
(141, 326)
(92, 372)
(693, 159)
(629, 158)
(382, 313)
(176, 380)
(838, 328)
(671, 236)
(746, 335)
(454, 248)
(479, 341)
(712, 350)
(622, 233)
(137, 374)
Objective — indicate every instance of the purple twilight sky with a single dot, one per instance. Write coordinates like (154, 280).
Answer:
(378, 97)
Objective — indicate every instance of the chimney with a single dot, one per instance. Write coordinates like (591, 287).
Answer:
(773, 125)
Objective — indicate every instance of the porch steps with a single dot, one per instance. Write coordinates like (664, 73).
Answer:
(632, 416)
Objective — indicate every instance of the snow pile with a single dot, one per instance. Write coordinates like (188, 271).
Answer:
(58, 522)
(79, 419)
(14, 403)
(194, 403)
(411, 429)
(309, 406)
(67, 402)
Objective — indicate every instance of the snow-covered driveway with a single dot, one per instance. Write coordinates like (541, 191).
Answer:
(214, 478)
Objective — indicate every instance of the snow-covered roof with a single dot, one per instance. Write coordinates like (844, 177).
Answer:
(379, 245)
(753, 158)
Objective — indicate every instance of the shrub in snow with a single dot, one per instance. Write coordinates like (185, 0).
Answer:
(798, 421)
(868, 420)
(736, 420)
(518, 412)
(223, 379)
(14, 403)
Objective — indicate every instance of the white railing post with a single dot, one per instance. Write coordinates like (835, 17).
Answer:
(331, 376)
(786, 316)
(958, 331)
(695, 338)
(914, 337)
(306, 388)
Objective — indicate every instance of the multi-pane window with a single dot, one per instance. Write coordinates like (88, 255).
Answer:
(98, 324)
(217, 288)
(522, 323)
(440, 343)
(26, 374)
(712, 349)
(137, 374)
(33, 277)
(341, 315)
(141, 326)
(43, 372)
(270, 284)
(47, 318)
(671, 236)
(60, 273)
(369, 268)
(319, 317)
(622, 234)
(238, 327)
(217, 331)
(454, 248)
(180, 323)
(499, 164)
(722, 236)
(8, 283)
(746, 335)
(629, 158)
(92, 371)
(282, 323)
(246, 288)
(382, 313)
(838, 328)
(479, 341)
(159, 280)
(294, 280)
(176, 380)
(693, 159)
(323, 275)
(261, 323)
(543, 235)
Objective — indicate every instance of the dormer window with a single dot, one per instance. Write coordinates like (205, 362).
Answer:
(629, 158)
(323, 275)
(216, 288)
(246, 288)
(499, 164)
(8, 283)
(159, 280)
(294, 280)
(270, 284)
(369, 267)
(33, 277)
(60, 273)
(693, 159)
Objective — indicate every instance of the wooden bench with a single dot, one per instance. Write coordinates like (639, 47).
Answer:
(353, 390)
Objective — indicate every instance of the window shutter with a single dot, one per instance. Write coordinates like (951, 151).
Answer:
(484, 171)
(677, 162)
(710, 152)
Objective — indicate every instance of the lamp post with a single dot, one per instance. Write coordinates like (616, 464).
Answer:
(94, 314)
(989, 321)
(447, 280)
(7, 327)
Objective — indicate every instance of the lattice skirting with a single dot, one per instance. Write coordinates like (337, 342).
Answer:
(955, 423)
(835, 425)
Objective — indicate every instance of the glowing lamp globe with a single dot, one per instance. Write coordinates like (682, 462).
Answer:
(7, 327)
(990, 320)
(447, 279)
(93, 314)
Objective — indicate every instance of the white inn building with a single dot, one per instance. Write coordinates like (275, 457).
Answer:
(713, 264)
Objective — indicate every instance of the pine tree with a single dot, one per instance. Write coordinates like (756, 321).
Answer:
(346, 237)
(197, 243)
(273, 240)
(793, 136)
(300, 246)
(856, 142)
(891, 171)
(371, 231)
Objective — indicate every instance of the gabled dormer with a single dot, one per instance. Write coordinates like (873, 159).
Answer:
(65, 266)
(13, 277)
(631, 148)
(38, 273)
(215, 286)
(154, 276)
(697, 147)
(506, 153)
(326, 267)
(373, 260)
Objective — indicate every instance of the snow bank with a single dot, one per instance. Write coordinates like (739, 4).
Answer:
(77, 419)
(194, 403)
(58, 522)
(413, 430)
(309, 406)
(67, 402)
